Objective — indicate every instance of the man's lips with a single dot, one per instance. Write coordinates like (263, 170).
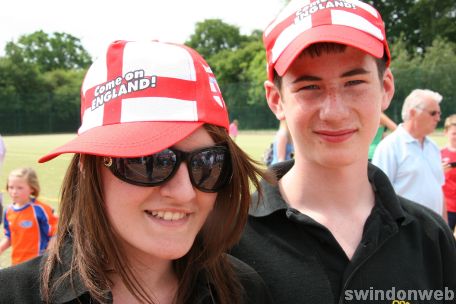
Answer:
(335, 136)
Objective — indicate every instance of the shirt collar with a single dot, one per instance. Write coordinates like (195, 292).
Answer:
(409, 138)
(271, 200)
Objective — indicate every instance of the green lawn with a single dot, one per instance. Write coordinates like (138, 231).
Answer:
(24, 151)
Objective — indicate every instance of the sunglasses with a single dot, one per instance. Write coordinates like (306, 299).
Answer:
(432, 113)
(209, 168)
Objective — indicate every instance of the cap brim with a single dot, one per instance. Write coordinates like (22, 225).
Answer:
(132, 139)
(329, 33)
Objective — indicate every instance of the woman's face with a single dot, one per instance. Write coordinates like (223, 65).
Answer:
(159, 222)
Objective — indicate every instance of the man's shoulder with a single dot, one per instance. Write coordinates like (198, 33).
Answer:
(426, 219)
(433, 144)
(394, 137)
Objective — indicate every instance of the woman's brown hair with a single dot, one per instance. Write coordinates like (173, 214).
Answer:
(95, 251)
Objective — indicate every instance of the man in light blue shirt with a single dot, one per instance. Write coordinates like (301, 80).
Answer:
(410, 158)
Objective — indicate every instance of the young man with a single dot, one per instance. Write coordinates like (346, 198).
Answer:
(333, 230)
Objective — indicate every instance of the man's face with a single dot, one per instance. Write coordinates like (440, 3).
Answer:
(332, 104)
(426, 117)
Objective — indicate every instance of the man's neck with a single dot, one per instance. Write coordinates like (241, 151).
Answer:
(339, 199)
(410, 127)
(315, 187)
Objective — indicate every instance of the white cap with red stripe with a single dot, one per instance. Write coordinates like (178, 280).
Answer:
(143, 97)
(305, 22)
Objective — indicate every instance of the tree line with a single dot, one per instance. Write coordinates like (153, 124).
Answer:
(41, 73)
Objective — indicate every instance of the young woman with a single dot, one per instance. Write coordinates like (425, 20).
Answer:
(155, 194)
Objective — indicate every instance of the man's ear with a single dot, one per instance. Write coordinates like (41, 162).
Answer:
(274, 99)
(388, 88)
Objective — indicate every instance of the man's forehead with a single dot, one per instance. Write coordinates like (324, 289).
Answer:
(319, 49)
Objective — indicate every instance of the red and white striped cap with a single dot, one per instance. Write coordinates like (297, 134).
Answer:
(143, 97)
(305, 22)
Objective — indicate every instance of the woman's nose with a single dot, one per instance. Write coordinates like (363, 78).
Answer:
(179, 186)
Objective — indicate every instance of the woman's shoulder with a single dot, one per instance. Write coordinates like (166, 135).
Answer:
(21, 283)
(251, 281)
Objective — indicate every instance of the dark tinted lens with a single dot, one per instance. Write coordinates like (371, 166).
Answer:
(146, 170)
(163, 165)
(208, 168)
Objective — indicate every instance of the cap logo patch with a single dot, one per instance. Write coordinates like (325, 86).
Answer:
(321, 5)
(131, 82)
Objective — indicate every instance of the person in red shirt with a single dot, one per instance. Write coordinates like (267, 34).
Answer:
(29, 224)
(449, 163)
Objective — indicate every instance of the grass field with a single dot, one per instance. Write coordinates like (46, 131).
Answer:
(24, 151)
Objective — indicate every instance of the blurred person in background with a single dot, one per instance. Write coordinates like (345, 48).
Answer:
(449, 164)
(282, 146)
(2, 158)
(386, 123)
(233, 129)
(29, 223)
(410, 158)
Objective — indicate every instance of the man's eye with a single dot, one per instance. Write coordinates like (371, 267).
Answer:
(309, 87)
(354, 82)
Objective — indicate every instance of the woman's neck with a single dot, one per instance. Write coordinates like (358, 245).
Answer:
(158, 280)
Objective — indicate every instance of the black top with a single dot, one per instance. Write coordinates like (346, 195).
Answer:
(20, 284)
(404, 246)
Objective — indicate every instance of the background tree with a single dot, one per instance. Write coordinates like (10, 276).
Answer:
(418, 21)
(213, 36)
(40, 78)
(49, 51)
(238, 62)
(41, 73)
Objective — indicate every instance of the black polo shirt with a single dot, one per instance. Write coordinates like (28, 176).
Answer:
(20, 284)
(404, 246)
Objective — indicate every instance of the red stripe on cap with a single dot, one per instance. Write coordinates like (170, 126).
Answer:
(278, 29)
(322, 17)
(112, 109)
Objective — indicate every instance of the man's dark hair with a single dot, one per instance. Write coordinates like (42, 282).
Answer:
(317, 49)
